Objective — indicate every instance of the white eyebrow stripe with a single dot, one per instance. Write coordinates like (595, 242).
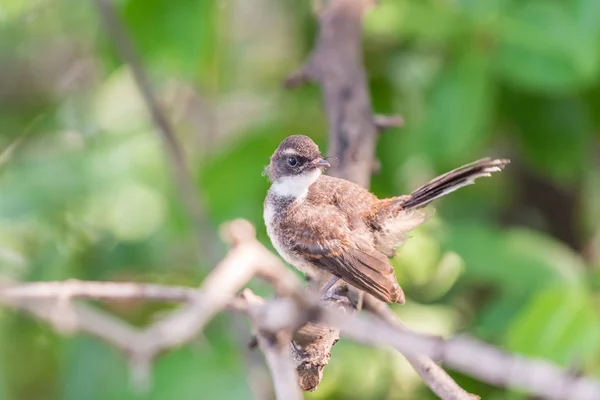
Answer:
(290, 152)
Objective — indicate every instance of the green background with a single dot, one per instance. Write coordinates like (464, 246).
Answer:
(86, 192)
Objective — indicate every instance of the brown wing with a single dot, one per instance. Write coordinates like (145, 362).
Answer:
(324, 240)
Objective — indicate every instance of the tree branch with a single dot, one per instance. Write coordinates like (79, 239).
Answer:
(465, 354)
(295, 329)
(432, 374)
(276, 348)
(246, 259)
(383, 122)
(75, 289)
(275, 319)
(336, 64)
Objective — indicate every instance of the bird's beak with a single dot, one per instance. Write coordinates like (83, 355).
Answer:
(319, 163)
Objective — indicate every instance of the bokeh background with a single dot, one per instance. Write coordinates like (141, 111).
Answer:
(86, 191)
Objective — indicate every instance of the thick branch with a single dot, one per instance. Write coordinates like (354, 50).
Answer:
(276, 349)
(465, 354)
(336, 64)
(286, 314)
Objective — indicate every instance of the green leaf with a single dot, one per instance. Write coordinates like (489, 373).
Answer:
(518, 261)
(493, 318)
(3, 388)
(549, 46)
(417, 259)
(384, 20)
(554, 134)
(430, 22)
(515, 265)
(483, 10)
(448, 271)
(179, 36)
(458, 116)
(87, 367)
(343, 381)
(558, 323)
(214, 370)
(41, 186)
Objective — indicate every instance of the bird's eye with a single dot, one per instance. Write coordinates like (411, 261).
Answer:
(292, 161)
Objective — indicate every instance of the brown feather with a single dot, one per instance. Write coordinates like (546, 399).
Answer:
(341, 228)
(321, 233)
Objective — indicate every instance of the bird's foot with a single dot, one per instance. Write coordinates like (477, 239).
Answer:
(329, 285)
(336, 297)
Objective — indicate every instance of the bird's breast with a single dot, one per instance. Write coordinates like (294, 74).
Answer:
(272, 223)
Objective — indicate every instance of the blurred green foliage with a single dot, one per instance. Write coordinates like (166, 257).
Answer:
(86, 192)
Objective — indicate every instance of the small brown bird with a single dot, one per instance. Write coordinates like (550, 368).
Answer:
(331, 228)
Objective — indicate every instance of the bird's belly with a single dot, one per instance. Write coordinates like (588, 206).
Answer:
(291, 258)
(297, 262)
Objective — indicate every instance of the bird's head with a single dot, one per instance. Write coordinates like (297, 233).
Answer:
(296, 164)
(296, 156)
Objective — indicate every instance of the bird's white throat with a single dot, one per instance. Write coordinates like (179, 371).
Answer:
(295, 186)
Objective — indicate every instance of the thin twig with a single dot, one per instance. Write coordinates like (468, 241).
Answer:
(81, 318)
(383, 122)
(432, 374)
(175, 154)
(75, 289)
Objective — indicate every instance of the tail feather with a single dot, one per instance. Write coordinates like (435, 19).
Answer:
(451, 181)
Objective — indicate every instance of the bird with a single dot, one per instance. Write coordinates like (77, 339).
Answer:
(331, 228)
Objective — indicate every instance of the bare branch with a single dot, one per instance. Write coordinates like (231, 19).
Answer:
(476, 359)
(432, 374)
(246, 259)
(274, 318)
(383, 122)
(81, 318)
(218, 289)
(465, 354)
(257, 374)
(336, 64)
(75, 289)
(175, 154)
(305, 74)
(276, 348)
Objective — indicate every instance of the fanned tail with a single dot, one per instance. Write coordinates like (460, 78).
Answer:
(451, 181)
